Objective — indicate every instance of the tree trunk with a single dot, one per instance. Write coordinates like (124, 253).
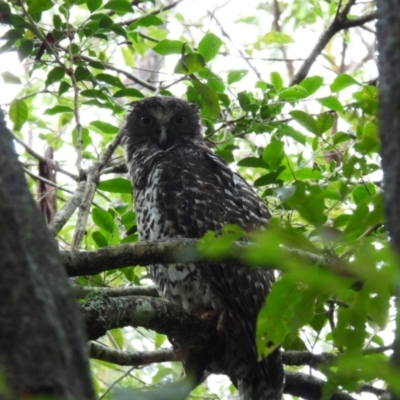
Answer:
(42, 340)
(388, 33)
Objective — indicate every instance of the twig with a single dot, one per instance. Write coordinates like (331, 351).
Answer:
(277, 16)
(92, 179)
(367, 232)
(155, 12)
(63, 216)
(40, 35)
(71, 72)
(44, 180)
(339, 23)
(39, 157)
(119, 70)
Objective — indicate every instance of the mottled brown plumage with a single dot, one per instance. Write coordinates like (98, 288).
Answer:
(181, 190)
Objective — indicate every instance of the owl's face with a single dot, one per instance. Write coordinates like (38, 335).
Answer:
(162, 121)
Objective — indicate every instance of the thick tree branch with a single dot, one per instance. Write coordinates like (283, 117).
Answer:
(339, 23)
(202, 343)
(83, 291)
(308, 387)
(131, 358)
(179, 250)
(200, 338)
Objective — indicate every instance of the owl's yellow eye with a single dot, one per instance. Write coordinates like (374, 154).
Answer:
(146, 120)
(179, 120)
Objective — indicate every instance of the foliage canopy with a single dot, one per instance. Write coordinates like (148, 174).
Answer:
(292, 107)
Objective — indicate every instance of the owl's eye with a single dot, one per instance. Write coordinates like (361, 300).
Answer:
(146, 120)
(179, 120)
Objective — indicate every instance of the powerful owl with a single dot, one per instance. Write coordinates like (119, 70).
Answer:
(182, 190)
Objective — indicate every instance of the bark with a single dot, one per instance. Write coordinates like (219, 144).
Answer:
(388, 33)
(42, 341)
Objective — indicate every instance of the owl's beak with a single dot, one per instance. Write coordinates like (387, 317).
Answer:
(163, 139)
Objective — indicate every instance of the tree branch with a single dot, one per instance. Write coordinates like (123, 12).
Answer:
(63, 216)
(340, 22)
(200, 338)
(39, 157)
(83, 291)
(92, 179)
(180, 250)
(308, 387)
(131, 358)
(202, 343)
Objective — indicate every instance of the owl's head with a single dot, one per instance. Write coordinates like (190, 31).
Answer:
(162, 121)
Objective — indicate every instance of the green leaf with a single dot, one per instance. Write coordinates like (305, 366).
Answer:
(8, 77)
(63, 88)
(287, 308)
(58, 110)
(363, 192)
(305, 120)
(325, 122)
(99, 239)
(236, 75)
(103, 220)
(56, 74)
(166, 47)
(128, 220)
(209, 46)
(121, 7)
(18, 113)
(293, 93)
(146, 21)
(342, 81)
(276, 80)
(93, 5)
(253, 162)
(110, 79)
(269, 111)
(38, 6)
(301, 174)
(95, 93)
(210, 98)
(308, 200)
(105, 127)
(24, 49)
(331, 102)
(130, 92)
(116, 185)
(82, 74)
(273, 154)
(312, 84)
(274, 37)
(189, 64)
(271, 178)
(179, 390)
(340, 137)
(287, 130)
(119, 30)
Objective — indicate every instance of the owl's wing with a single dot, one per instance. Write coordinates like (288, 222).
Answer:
(200, 193)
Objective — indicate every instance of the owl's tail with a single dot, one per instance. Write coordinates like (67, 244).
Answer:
(262, 380)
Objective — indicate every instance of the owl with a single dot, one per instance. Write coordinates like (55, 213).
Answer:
(182, 189)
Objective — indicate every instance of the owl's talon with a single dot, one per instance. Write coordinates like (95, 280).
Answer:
(221, 322)
(210, 315)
